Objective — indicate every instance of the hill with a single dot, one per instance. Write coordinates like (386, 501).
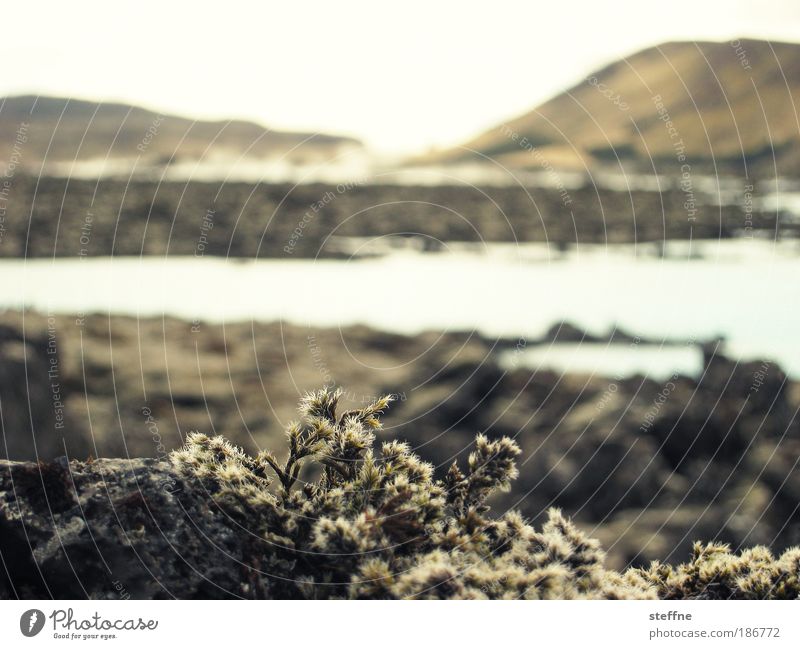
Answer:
(730, 105)
(56, 130)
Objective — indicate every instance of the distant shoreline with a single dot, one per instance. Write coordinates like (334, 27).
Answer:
(48, 217)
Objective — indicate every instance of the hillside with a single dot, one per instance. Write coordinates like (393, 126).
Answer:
(57, 130)
(731, 104)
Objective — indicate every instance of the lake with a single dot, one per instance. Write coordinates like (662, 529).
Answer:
(744, 290)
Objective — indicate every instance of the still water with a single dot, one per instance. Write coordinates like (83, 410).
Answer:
(745, 290)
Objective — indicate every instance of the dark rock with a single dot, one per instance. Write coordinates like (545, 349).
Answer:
(724, 444)
(112, 528)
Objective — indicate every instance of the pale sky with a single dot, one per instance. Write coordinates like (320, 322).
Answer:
(402, 77)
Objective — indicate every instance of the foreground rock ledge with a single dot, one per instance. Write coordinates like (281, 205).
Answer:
(136, 528)
(117, 528)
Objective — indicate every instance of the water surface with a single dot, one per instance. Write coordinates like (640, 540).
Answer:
(744, 290)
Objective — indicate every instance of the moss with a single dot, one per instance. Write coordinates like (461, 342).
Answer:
(714, 572)
(377, 524)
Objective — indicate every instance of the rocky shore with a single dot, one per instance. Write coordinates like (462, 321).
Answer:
(148, 529)
(73, 218)
(644, 465)
(114, 529)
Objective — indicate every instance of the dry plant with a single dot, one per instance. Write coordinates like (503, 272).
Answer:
(379, 525)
